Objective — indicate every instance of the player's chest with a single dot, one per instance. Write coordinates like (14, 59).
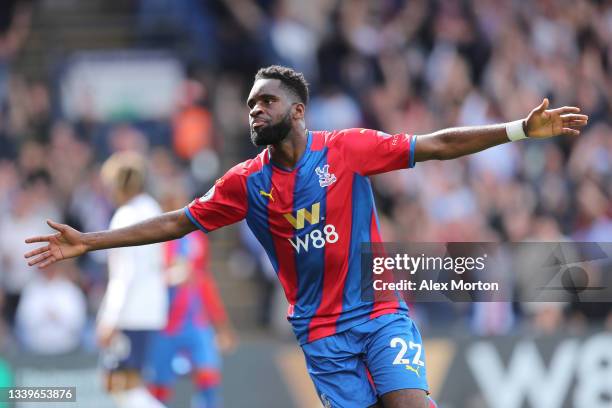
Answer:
(299, 195)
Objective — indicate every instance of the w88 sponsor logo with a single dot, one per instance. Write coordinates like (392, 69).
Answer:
(316, 238)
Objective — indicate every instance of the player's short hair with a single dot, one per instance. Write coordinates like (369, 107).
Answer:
(291, 80)
(125, 172)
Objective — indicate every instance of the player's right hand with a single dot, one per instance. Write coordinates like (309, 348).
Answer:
(66, 243)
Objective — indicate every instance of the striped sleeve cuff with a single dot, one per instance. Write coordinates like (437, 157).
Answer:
(412, 147)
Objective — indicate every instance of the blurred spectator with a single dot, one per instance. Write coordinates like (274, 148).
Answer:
(192, 123)
(292, 42)
(30, 205)
(89, 209)
(15, 18)
(125, 137)
(9, 180)
(66, 174)
(166, 174)
(193, 135)
(8, 146)
(29, 111)
(333, 109)
(52, 313)
(594, 214)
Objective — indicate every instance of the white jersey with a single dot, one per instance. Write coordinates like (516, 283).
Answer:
(136, 297)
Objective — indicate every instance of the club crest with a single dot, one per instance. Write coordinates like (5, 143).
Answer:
(325, 179)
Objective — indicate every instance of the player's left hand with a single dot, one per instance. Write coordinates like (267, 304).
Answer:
(105, 335)
(543, 123)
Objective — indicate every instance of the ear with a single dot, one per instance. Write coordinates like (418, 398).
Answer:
(299, 110)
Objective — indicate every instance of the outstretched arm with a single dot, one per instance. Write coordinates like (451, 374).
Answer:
(456, 142)
(69, 243)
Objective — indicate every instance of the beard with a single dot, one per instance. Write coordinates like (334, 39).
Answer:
(272, 134)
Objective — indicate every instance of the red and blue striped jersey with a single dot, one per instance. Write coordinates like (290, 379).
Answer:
(312, 220)
(194, 299)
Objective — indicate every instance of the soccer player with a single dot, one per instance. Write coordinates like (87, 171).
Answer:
(197, 327)
(135, 302)
(308, 200)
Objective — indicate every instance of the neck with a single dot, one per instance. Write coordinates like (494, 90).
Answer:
(289, 151)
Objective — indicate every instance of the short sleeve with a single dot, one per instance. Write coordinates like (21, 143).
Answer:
(370, 152)
(224, 204)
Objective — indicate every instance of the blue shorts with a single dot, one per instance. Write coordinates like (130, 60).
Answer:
(355, 367)
(127, 351)
(196, 343)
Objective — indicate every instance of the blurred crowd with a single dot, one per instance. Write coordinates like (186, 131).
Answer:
(395, 65)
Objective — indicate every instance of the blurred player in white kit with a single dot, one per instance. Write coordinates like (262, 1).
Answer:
(135, 302)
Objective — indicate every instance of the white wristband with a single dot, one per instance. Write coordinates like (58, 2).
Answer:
(514, 130)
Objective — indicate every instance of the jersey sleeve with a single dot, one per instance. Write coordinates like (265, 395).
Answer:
(369, 152)
(224, 204)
